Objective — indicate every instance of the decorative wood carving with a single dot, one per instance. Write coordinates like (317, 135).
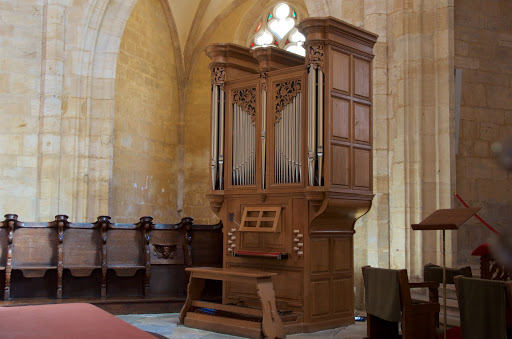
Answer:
(10, 220)
(263, 77)
(315, 56)
(285, 92)
(61, 221)
(165, 251)
(146, 223)
(246, 99)
(218, 76)
(102, 223)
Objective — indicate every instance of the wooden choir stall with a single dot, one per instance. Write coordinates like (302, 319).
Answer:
(291, 169)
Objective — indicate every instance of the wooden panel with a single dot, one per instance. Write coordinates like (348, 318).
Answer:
(206, 247)
(340, 165)
(320, 255)
(361, 78)
(343, 295)
(274, 241)
(362, 163)
(340, 118)
(340, 71)
(124, 248)
(81, 247)
(342, 254)
(250, 240)
(34, 247)
(282, 283)
(320, 299)
(237, 289)
(362, 123)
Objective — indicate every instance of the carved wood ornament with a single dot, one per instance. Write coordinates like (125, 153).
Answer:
(285, 92)
(263, 77)
(246, 99)
(315, 56)
(218, 76)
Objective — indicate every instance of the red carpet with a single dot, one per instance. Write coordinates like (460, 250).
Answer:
(64, 321)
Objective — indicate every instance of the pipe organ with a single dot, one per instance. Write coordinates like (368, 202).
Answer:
(291, 167)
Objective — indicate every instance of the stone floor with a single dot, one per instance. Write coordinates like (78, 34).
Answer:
(166, 325)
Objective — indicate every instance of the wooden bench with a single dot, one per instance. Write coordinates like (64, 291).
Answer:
(271, 325)
(120, 267)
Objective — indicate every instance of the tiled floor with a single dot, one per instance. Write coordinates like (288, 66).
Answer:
(166, 325)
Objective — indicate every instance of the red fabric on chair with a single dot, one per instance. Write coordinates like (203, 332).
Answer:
(451, 333)
(75, 321)
(481, 250)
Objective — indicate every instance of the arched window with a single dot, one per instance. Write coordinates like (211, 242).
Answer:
(277, 28)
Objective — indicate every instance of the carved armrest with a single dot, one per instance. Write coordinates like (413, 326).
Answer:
(433, 293)
(428, 284)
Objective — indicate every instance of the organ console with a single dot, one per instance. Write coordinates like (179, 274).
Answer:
(291, 167)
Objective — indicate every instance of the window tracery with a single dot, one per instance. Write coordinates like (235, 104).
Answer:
(277, 28)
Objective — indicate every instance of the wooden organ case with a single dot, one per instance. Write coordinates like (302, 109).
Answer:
(291, 167)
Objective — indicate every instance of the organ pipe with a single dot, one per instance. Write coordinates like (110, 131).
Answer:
(287, 135)
(221, 140)
(311, 124)
(244, 147)
(263, 134)
(320, 124)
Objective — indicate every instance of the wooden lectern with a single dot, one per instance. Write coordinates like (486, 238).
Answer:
(291, 167)
(445, 219)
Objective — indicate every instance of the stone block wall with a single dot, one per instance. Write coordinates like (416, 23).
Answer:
(21, 33)
(483, 50)
(144, 175)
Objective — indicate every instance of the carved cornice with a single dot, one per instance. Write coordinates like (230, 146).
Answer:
(285, 92)
(246, 99)
(315, 56)
(218, 76)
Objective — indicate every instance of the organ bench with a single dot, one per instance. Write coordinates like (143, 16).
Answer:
(271, 325)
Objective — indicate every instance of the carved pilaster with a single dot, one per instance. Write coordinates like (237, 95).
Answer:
(102, 223)
(10, 221)
(315, 56)
(263, 77)
(60, 222)
(146, 224)
(218, 76)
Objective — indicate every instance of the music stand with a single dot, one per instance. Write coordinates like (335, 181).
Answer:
(445, 219)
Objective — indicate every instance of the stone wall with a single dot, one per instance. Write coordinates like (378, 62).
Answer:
(144, 175)
(21, 33)
(483, 50)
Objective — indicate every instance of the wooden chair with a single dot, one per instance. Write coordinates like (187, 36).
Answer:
(127, 256)
(485, 312)
(418, 318)
(36, 251)
(84, 258)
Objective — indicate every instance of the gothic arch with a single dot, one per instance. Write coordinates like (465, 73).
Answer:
(89, 97)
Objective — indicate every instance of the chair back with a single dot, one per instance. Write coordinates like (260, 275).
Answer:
(482, 306)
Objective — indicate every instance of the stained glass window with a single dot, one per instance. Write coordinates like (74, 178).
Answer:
(279, 30)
